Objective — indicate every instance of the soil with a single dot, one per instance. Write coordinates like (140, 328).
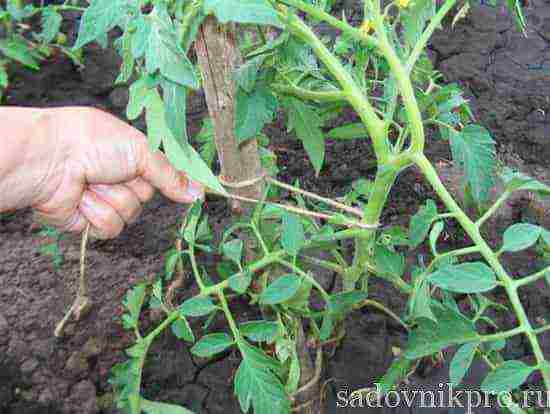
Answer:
(507, 77)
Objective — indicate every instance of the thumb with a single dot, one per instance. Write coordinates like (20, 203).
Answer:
(157, 170)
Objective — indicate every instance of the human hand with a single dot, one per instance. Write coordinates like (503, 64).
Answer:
(98, 170)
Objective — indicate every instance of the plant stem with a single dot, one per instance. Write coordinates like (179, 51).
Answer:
(305, 275)
(354, 95)
(382, 308)
(533, 278)
(319, 14)
(404, 84)
(320, 96)
(503, 197)
(452, 253)
(489, 255)
(427, 34)
(229, 316)
(385, 177)
(333, 267)
(194, 266)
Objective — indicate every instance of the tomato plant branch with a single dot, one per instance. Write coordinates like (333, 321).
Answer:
(326, 264)
(435, 22)
(377, 305)
(306, 276)
(533, 278)
(404, 84)
(452, 253)
(498, 203)
(490, 256)
(194, 266)
(374, 125)
(321, 15)
(319, 96)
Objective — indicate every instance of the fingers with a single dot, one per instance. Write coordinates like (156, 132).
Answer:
(120, 198)
(72, 222)
(156, 169)
(142, 189)
(106, 207)
(106, 222)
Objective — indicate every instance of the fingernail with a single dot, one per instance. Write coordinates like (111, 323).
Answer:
(195, 190)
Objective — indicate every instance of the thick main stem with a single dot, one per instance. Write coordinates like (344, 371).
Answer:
(382, 185)
(510, 285)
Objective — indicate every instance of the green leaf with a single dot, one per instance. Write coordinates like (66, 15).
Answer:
(155, 119)
(181, 329)
(197, 306)
(341, 303)
(398, 370)
(260, 389)
(507, 377)
(281, 290)
(516, 181)
(233, 250)
(326, 327)
(420, 302)
(240, 282)
(246, 74)
(138, 94)
(437, 229)
(307, 124)
(414, 18)
(430, 337)
(259, 331)
(243, 11)
(140, 37)
(474, 277)
(175, 105)
(133, 302)
(520, 236)
(257, 358)
(473, 150)
(294, 373)
(51, 23)
(98, 18)
(191, 222)
(253, 111)
(349, 131)
(19, 51)
(164, 53)
(421, 223)
(189, 161)
(212, 344)
(4, 81)
(292, 237)
(461, 362)
(151, 407)
(170, 262)
(128, 62)
(388, 261)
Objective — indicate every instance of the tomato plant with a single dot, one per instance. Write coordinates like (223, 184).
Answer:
(279, 63)
(21, 44)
